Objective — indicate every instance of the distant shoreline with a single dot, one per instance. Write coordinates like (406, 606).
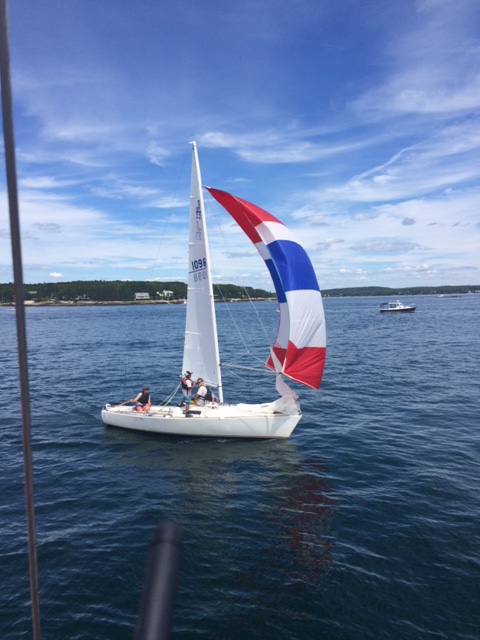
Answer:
(116, 293)
(118, 303)
(121, 303)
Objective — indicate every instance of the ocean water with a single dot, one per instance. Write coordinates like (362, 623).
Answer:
(364, 524)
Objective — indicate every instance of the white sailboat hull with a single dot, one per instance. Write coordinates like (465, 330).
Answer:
(217, 421)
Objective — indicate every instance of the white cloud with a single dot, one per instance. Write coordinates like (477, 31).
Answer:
(433, 63)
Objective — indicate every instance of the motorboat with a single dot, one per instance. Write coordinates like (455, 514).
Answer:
(396, 307)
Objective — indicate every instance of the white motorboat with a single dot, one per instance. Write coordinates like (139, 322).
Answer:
(396, 307)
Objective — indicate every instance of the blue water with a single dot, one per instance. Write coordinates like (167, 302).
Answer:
(364, 524)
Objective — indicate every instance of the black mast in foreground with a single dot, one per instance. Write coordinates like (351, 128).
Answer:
(11, 172)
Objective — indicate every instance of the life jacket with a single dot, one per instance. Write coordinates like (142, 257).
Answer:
(144, 399)
(185, 384)
(208, 396)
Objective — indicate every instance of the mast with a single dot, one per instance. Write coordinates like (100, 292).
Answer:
(11, 170)
(201, 354)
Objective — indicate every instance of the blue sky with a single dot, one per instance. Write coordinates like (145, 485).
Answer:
(356, 123)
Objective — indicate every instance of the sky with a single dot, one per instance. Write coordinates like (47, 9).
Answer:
(355, 123)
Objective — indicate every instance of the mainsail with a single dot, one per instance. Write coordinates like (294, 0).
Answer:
(300, 345)
(200, 355)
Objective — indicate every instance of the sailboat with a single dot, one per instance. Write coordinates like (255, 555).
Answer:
(298, 352)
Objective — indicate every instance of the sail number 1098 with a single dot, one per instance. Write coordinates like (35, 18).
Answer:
(199, 264)
(199, 269)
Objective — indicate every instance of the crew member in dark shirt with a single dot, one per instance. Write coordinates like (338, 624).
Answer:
(142, 401)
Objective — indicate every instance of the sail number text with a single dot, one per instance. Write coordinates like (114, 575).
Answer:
(199, 264)
(198, 269)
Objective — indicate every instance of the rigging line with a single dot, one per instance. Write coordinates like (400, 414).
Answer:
(235, 374)
(232, 318)
(170, 397)
(244, 286)
(231, 368)
(125, 377)
(239, 366)
(253, 356)
(11, 173)
(268, 338)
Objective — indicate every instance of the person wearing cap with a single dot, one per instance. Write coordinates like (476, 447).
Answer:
(199, 397)
(187, 386)
(142, 402)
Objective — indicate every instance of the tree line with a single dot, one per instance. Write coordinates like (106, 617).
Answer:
(119, 291)
(405, 291)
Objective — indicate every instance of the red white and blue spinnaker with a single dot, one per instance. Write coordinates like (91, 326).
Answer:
(300, 345)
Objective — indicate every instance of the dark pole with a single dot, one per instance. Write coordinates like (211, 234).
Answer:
(9, 141)
(155, 616)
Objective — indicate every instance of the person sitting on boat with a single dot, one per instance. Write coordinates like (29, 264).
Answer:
(187, 387)
(142, 402)
(203, 394)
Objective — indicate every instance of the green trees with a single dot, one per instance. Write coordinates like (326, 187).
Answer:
(119, 291)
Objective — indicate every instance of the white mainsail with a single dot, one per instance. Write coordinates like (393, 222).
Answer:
(200, 354)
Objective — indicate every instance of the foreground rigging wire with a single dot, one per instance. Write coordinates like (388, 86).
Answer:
(9, 142)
